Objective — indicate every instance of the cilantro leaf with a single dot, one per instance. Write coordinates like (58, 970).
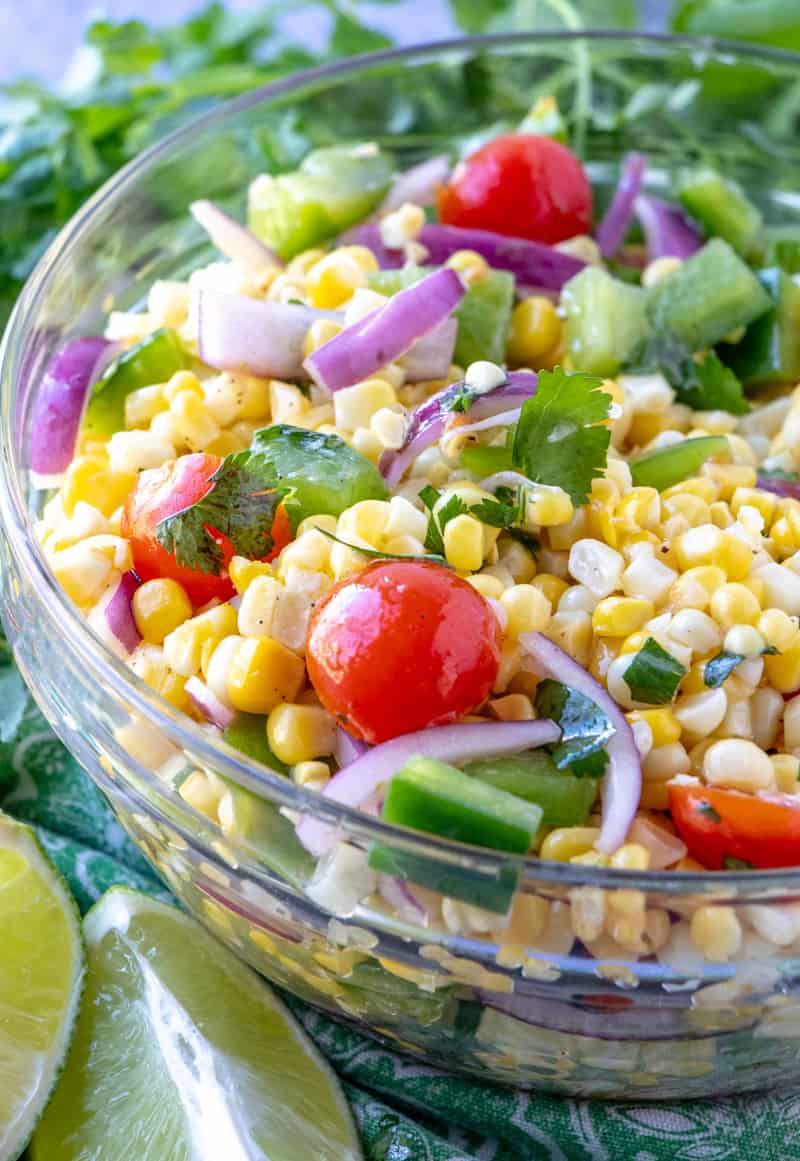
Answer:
(499, 512)
(705, 385)
(585, 729)
(653, 675)
(460, 400)
(438, 520)
(719, 668)
(732, 864)
(708, 811)
(240, 505)
(375, 554)
(560, 438)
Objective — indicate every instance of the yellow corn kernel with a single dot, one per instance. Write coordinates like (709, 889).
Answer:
(366, 520)
(716, 932)
(182, 381)
(226, 444)
(729, 477)
(565, 842)
(207, 651)
(332, 280)
(738, 764)
(646, 425)
(300, 733)
(691, 507)
(694, 681)
(734, 604)
(243, 571)
(639, 508)
(141, 405)
(634, 642)
(552, 586)
(663, 724)
(572, 631)
(621, 616)
(777, 628)
(604, 651)
(783, 669)
(310, 773)
(201, 793)
(183, 646)
(354, 407)
(463, 543)
(89, 478)
(631, 857)
(527, 609)
(700, 486)
(783, 538)
(82, 573)
(786, 768)
(587, 912)
(720, 514)
(513, 707)
(654, 796)
(321, 331)
(764, 502)
(262, 674)
(471, 266)
(487, 585)
(535, 332)
(548, 505)
(159, 606)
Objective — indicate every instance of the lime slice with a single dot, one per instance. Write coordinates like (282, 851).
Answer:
(182, 1052)
(41, 969)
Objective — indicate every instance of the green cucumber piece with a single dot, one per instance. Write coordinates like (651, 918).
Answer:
(261, 828)
(606, 320)
(153, 360)
(248, 734)
(667, 466)
(483, 315)
(711, 294)
(485, 460)
(493, 894)
(721, 206)
(782, 247)
(770, 350)
(565, 800)
(334, 188)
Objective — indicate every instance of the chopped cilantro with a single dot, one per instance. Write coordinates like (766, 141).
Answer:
(500, 512)
(374, 554)
(705, 385)
(708, 811)
(585, 729)
(460, 400)
(653, 675)
(778, 474)
(719, 668)
(731, 864)
(560, 438)
(240, 505)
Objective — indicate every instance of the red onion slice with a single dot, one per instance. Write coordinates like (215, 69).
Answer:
(348, 748)
(402, 899)
(427, 424)
(507, 479)
(610, 233)
(532, 263)
(236, 333)
(623, 783)
(353, 785)
(665, 848)
(419, 185)
(118, 613)
(231, 238)
(206, 702)
(431, 356)
(667, 230)
(634, 1022)
(360, 350)
(60, 403)
(779, 486)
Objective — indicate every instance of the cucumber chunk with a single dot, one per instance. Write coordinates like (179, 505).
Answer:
(711, 294)
(565, 800)
(153, 360)
(248, 734)
(770, 350)
(606, 320)
(721, 206)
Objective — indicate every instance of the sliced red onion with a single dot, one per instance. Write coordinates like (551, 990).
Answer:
(427, 423)
(236, 333)
(505, 480)
(360, 350)
(419, 185)
(634, 1022)
(667, 230)
(779, 486)
(348, 748)
(456, 743)
(119, 612)
(231, 238)
(60, 403)
(665, 848)
(431, 356)
(532, 263)
(402, 899)
(501, 419)
(206, 702)
(623, 783)
(610, 233)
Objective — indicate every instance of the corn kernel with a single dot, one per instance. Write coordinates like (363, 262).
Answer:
(470, 266)
(90, 478)
(527, 608)
(595, 565)
(300, 733)
(332, 280)
(259, 603)
(159, 606)
(514, 707)
(716, 932)
(243, 571)
(621, 616)
(200, 793)
(354, 407)
(565, 842)
(665, 727)
(463, 543)
(367, 520)
(552, 586)
(262, 674)
(321, 331)
(183, 646)
(729, 477)
(783, 669)
(738, 764)
(699, 714)
(573, 633)
(745, 640)
(182, 381)
(143, 404)
(631, 857)
(786, 768)
(659, 269)
(535, 332)
(547, 505)
(313, 774)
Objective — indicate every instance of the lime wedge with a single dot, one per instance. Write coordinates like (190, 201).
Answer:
(182, 1052)
(41, 969)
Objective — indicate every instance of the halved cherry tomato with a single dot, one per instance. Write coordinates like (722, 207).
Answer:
(401, 646)
(724, 827)
(520, 184)
(162, 492)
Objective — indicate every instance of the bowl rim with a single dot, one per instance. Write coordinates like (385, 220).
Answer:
(115, 673)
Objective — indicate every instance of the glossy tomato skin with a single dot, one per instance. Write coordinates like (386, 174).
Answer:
(522, 185)
(162, 492)
(719, 825)
(401, 646)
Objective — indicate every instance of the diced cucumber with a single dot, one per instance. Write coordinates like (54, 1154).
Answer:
(153, 360)
(248, 734)
(493, 894)
(782, 247)
(711, 294)
(260, 826)
(669, 465)
(770, 350)
(565, 800)
(606, 320)
(483, 315)
(722, 208)
(333, 188)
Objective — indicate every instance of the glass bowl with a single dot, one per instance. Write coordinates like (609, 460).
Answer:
(710, 1004)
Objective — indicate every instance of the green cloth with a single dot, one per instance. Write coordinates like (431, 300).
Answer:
(405, 1110)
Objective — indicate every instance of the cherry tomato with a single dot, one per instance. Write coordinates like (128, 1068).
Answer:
(401, 646)
(162, 492)
(520, 184)
(724, 826)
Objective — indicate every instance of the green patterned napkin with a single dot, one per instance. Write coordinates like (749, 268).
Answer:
(406, 1111)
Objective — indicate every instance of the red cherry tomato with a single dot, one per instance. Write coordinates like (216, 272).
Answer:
(523, 185)
(401, 646)
(725, 827)
(162, 492)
